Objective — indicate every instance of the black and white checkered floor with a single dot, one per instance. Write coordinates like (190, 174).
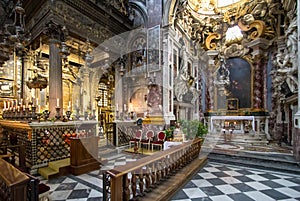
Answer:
(214, 182)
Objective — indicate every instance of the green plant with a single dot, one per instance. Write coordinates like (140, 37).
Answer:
(169, 132)
(193, 128)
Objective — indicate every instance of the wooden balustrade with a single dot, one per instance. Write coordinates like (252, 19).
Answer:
(13, 183)
(137, 178)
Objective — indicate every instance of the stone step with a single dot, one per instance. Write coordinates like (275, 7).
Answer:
(268, 161)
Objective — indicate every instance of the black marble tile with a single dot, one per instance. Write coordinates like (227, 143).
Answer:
(240, 197)
(296, 188)
(180, 195)
(243, 187)
(95, 199)
(294, 180)
(272, 184)
(223, 168)
(243, 178)
(269, 176)
(275, 194)
(82, 193)
(220, 174)
(201, 199)
(66, 186)
(197, 176)
(211, 191)
(216, 181)
(190, 185)
(57, 180)
(244, 172)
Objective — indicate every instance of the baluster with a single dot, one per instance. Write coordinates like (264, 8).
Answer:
(141, 182)
(173, 163)
(153, 176)
(133, 184)
(126, 191)
(147, 179)
(158, 172)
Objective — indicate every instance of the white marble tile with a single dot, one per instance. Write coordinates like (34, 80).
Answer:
(211, 169)
(258, 196)
(220, 198)
(230, 180)
(256, 177)
(285, 182)
(201, 183)
(257, 186)
(232, 173)
(194, 193)
(207, 175)
(228, 189)
(95, 193)
(81, 186)
(60, 195)
(289, 192)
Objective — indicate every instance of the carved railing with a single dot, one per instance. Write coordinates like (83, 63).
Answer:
(11, 153)
(136, 178)
(13, 183)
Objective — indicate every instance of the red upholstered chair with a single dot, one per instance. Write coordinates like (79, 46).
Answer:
(149, 138)
(161, 136)
(136, 139)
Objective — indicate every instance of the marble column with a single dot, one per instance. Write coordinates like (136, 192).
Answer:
(55, 78)
(210, 80)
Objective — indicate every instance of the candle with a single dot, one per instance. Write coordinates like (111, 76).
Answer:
(21, 101)
(57, 102)
(39, 108)
(69, 106)
(37, 101)
(100, 111)
(117, 107)
(4, 103)
(8, 104)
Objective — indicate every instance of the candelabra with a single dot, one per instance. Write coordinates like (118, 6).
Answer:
(57, 115)
(93, 116)
(117, 115)
(33, 113)
(86, 115)
(77, 116)
(46, 114)
(68, 114)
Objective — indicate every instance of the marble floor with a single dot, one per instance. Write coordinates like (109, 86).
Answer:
(216, 182)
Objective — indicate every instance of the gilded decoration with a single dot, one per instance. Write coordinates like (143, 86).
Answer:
(204, 21)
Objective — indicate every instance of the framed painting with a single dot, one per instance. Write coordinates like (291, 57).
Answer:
(232, 104)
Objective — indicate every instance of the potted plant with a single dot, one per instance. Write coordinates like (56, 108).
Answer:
(193, 128)
(169, 133)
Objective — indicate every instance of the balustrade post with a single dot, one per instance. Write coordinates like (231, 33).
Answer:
(116, 188)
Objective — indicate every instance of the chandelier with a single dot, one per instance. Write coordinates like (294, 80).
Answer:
(13, 36)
